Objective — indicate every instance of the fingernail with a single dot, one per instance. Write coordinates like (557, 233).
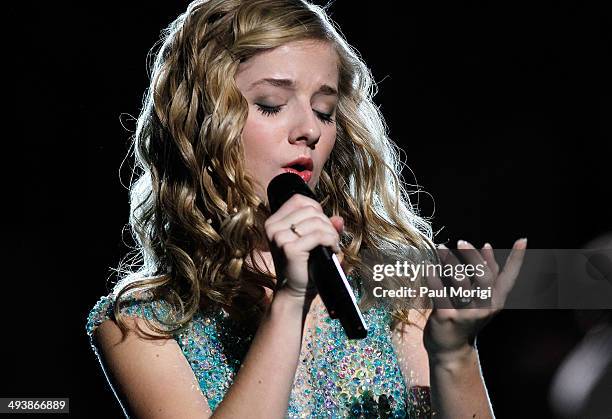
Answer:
(486, 246)
(441, 246)
(522, 243)
(463, 243)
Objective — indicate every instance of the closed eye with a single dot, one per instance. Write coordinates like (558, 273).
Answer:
(325, 117)
(273, 110)
(268, 110)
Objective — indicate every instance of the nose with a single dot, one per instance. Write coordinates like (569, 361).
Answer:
(306, 128)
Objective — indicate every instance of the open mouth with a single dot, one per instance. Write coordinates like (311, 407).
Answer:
(301, 167)
(301, 172)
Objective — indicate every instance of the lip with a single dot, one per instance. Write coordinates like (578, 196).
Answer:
(304, 161)
(304, 174)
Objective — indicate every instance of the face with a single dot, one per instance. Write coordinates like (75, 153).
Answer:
(292, 96)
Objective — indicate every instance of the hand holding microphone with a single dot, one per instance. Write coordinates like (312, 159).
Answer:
(296, 228)
(303, 245)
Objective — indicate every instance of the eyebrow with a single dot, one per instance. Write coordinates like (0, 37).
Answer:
(290, 85)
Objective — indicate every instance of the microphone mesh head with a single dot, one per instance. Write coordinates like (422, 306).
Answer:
(283, 187)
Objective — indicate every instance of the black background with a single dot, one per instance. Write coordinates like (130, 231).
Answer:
(502, 110)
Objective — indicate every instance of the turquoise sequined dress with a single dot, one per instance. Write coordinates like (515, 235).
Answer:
(335, 377)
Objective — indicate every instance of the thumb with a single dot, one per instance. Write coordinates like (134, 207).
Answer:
(338, 223)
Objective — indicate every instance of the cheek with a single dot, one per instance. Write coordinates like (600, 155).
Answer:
(260, 128)
(332, 140)
(252, 135)
(257, 141)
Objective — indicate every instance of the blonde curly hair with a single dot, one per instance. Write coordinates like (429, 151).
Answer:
(194, 213)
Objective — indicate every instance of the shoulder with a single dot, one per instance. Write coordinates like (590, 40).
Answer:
(102, 326)
(138, 305)
(101, 311)
(150, 377)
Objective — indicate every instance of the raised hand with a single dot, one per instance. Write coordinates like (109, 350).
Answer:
(451, 330)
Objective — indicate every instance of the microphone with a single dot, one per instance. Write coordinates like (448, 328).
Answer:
(323, 265)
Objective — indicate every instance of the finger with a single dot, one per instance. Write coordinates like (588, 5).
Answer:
(312, 224)
(295, 202)
(450, 260)
(338, 223)
(449, 256)
(443, 252)
(469, 253)
(308, 242)
(515, 259)
(507, 278)
(302, 213)
(482, 274)
(489, 257)
(283, 238)
(296, 217)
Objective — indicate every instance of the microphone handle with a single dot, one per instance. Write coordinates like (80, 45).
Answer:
(335, 291)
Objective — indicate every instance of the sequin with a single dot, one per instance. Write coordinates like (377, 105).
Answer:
(335, 378)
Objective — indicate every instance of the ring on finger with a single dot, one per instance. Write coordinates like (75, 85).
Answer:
(461, 302)
(294, 229)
